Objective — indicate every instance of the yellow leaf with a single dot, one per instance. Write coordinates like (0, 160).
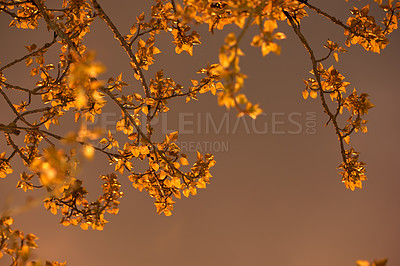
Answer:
(178, 49)
(240, 21)
(186, 192)
(193, 190)
(201, 183)
(381, 262)
(177, 165)
(24, 25)
(163, 174)
(183, 161)
(133, 30)
(270, 25)
(176, 182)
(129, 165)
(257, 40)
(84, 226)
(141, 43)
(156, 50)
(24, 251)
(177, 193)
(362, 263)
(77, 116)
(223, 60)
(135, 151)
(305, 94)
(53, 210)
(313, 94)
(155, 166)
(145, 110)
(265, 48)
(34, 72)
(333, 95)
(29, 61)
(364, 129)
(144, 150)
(99, 228)
(141, 17)
(279, 36)
(173, 136)
(43, 75)
(335, 55)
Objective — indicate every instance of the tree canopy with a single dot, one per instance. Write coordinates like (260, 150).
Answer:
(71, 82)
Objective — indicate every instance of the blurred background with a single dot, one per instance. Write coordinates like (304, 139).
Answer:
(276, 197)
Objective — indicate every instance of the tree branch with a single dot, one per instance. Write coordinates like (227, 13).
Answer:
(317, 75)
(124, 44)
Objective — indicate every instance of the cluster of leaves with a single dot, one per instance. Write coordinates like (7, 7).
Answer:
(70, 84)
(381, 262)
(18, 246)
(163, 179)
(331, 82)
(77, 210)
(74, 87)
(218, 14)
(363, 30)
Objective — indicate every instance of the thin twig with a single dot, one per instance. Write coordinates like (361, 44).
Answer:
(318, 78)
(43, 48)
(124, 44)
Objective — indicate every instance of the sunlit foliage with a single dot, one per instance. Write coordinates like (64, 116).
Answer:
(71, 84)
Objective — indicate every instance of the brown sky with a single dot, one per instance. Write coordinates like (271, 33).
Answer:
(275, 197)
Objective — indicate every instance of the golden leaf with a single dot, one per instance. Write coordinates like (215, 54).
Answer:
(135, 151)
(144, 150)
(133, 30)
(201, 183)
(270, 25)
(313, 94)
(65, 223)
(176, 182)
(305, 94)
(183, 161)
(84, 226)
(173, 136)
(363, 263)
(336, 56)
(162, 174)
(145, 110)
(155, 166)
(186, 192)
(29, 61)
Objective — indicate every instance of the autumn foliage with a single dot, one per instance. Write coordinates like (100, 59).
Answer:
(70, 84)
